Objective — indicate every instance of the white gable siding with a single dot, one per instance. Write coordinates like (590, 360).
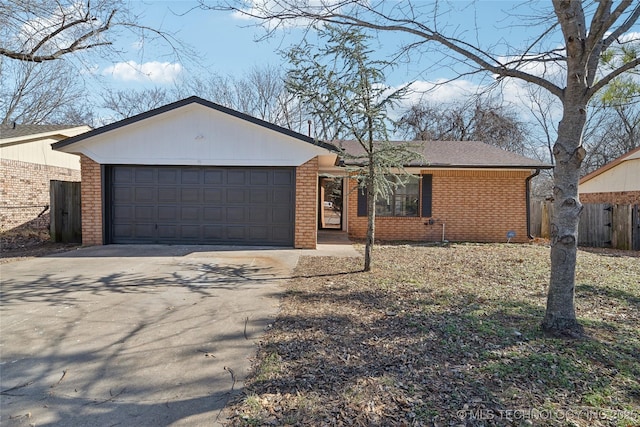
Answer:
(39, 152)
(196, 135)
(622, 177)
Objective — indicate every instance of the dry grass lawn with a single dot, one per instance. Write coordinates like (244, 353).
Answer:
(441, 336)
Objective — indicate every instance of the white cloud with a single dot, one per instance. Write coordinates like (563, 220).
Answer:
(154, 71)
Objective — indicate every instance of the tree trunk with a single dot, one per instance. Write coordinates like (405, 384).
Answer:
(371, 218)
(560, 317)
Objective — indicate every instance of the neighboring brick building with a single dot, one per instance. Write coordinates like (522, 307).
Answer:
(27, 165)
(617, 182)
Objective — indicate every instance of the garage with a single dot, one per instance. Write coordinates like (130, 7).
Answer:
(196, 172)
(200, 205)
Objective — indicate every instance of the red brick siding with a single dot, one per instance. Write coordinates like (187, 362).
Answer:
(615, 198)
(474, 206)
(306, 227)
(24, 191)
(91, 193)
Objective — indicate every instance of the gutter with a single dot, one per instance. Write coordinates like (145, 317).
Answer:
(528, 200)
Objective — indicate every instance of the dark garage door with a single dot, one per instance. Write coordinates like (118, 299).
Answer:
(201, 205)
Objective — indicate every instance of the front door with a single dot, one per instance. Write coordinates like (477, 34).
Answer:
(330, 209)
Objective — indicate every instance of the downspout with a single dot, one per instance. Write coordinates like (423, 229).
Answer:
(528, 200)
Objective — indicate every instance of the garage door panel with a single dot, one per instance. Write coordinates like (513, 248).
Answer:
(168, 194)
(145, 213)
(283, 177)
(237, 177)
(123, 214)
(168, 213)
(282, 234)
(259, 196)
(191, 232)
(213, 214)
(123, 194)
(144, 195)
(258, 214)
(144, 176)
(259, 177)
(172, 204)
(190, 176)
(190, 195)
(144, 231)
(281, 215)
(235, 215)
(190, 214)
(123, 175)
(237, 196)
(282, 197)
(168, 176)
(167, 232)
(213, 232)
(213, 177)
(213, 195)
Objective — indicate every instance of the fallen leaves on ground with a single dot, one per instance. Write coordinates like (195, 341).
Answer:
(447, 336)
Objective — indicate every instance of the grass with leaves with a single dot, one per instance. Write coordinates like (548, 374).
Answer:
(448, 336)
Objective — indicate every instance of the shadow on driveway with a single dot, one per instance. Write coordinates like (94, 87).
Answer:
(114, 335)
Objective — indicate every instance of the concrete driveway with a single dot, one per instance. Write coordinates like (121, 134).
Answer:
(133, 335)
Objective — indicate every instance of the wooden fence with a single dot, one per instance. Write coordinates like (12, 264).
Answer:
(601, 225)
(66, 222)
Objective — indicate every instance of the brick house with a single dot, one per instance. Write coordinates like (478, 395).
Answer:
(461, 191)
(196, 172)
(617, 182)
(27, 164)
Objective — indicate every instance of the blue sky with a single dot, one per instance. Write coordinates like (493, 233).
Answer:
(226, 44)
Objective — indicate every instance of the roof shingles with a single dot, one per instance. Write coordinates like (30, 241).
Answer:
(454, 154)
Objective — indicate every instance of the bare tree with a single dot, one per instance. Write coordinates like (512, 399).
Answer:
(260, 93)
(46, 30)
(485, 120)
(127, 103)
(611, 131)
(585, 30)
(38, 93)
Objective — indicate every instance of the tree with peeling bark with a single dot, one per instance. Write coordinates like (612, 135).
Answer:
(48, 30)
(573, 37)
(339, 82)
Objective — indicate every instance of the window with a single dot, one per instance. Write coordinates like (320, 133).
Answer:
(405, 201)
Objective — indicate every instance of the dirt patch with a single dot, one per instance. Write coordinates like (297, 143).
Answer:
(20, 244)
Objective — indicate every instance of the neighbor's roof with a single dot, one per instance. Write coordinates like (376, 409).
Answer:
(454, 154)
(187, 101)
(633, 154)
(28, 132)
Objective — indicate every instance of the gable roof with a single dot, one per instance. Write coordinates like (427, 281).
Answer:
(185, 102)
(633, 154)
(454, 154)
(10, 134)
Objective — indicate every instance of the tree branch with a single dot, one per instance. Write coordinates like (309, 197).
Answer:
(615, 73)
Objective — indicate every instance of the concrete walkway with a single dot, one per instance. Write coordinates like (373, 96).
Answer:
(135, 335)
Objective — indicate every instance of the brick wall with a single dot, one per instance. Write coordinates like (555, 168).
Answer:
(91, 193)
(24, 191)
(306, 227)
(473, 205)
(615, 198)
